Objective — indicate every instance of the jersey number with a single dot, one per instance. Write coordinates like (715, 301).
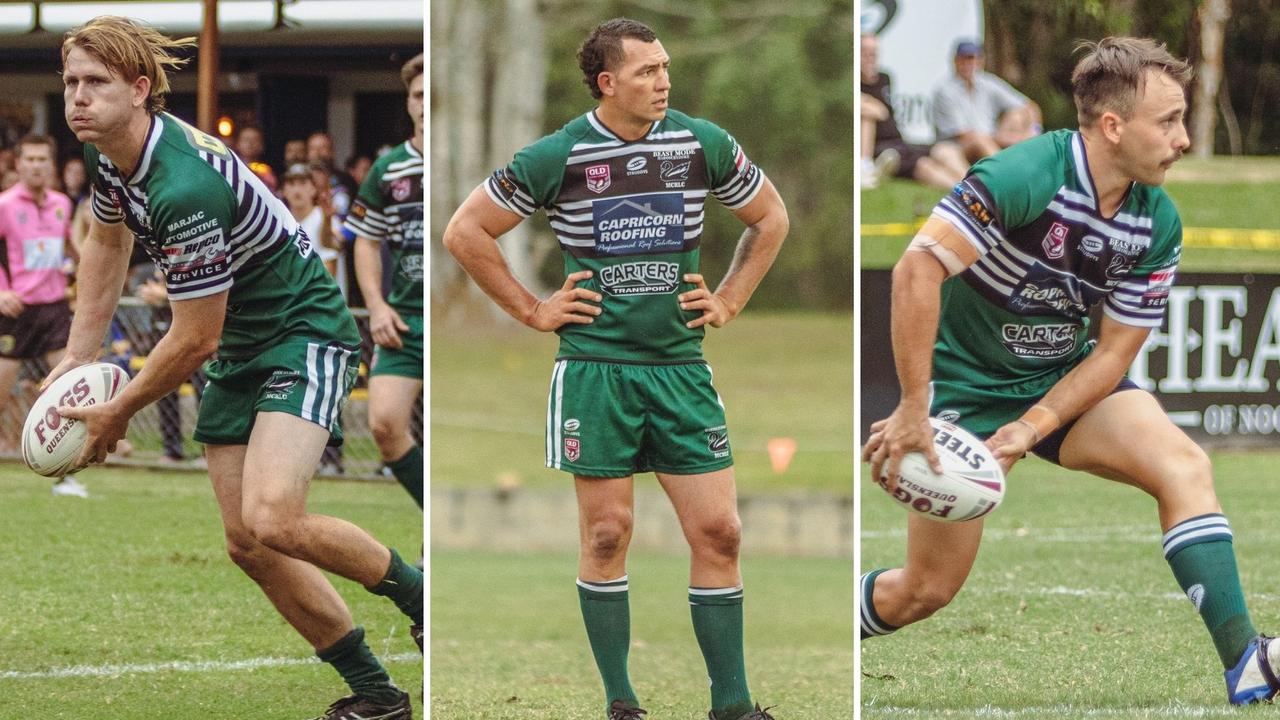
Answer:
(201, 139)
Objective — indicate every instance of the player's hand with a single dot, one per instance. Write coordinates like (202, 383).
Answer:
(105, 426)
(566, 305)
(385, 324)
(153, 293)
(10, 304)
(906, 430)
(68, 362)
(716, 311)
(1011, 442)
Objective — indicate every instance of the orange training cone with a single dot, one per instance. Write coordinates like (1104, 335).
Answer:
(781, 450)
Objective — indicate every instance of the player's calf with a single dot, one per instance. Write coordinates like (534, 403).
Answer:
(905, 598)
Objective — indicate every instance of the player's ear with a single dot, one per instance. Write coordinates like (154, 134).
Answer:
(141, 87)
(1111, 125)
(608, 83)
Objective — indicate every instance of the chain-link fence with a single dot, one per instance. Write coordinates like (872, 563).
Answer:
(160, 435)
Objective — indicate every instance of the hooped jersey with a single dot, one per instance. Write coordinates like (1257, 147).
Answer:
(1045, 256)
(210, 225)
(388, 209)
(632, 213)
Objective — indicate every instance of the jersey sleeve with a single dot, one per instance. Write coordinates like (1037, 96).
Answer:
(532, 178)
(1003, 192)
(193, 230)
(106, 205)
(734, 179)
(366, 218)
(1142, 294)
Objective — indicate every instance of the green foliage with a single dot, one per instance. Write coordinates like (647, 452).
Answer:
(779, 78)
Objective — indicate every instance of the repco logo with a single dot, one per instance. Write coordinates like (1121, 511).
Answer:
(49, 423)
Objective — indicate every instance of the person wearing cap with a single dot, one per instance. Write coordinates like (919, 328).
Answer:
(301, 194)
(978, 110)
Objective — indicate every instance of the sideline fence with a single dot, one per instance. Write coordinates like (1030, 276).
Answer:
(160, 435)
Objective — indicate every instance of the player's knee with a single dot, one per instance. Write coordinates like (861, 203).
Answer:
(927, 598)
(721, 535)
(275, 530)
(247, 553)
(1186, 471)
(608, 537)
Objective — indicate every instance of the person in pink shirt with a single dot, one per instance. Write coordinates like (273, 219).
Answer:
(35, 224)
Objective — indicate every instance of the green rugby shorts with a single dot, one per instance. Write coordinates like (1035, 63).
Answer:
(307, 379)
(607, 419)
(406, 361)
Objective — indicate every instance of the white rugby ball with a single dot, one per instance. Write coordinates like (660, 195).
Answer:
(970, 486)
(52, 443)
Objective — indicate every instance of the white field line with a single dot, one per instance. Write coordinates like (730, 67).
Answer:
(1056, 711)
(81, 671)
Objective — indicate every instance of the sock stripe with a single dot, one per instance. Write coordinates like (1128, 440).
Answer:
(1205, 528)
(712, 596)
(871, 624)
(605, 586)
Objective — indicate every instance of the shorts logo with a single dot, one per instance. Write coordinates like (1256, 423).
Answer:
(1039, 341)
(277, 386)
(950, 416)
(572, 425)
(718, 441)
(401, 188)
(572, 449)
(1055, 241)
(598, 178)
(636, 165)
(640, 278)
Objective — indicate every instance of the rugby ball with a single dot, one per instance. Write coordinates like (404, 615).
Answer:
(970, 486)
(51, 443)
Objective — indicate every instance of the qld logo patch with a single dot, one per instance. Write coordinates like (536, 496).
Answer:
(572, 449)
(1055, 241)
(400, 188)
(640, 224)
(598, 179)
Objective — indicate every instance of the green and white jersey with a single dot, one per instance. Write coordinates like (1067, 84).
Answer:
(631, 212)
(210, 225)
(1046, 255)
(388, 209)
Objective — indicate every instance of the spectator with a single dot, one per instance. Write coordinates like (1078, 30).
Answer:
(357, 167)
(941, 165)
(75, 182)
(250, 146)
(980, 111)
(301, 194)
(295, 151)
(340, 190)
(35, 316)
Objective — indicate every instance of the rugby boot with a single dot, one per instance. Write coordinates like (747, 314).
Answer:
(758, 714)
(619, 710)
(355, 707)
(415, 630)
(1253, 678)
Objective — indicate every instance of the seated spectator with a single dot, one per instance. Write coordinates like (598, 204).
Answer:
(295, 151)
(980, 111)
(940, 165)
(250, 146)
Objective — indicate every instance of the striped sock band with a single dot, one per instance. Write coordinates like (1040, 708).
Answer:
(605, 586)
(606, 614)
(715, 596)
(870, 623)
(717, 624)
(1200, 529)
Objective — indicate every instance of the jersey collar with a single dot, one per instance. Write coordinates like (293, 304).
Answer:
(154, 131)
(1085, 176)
(600, 128)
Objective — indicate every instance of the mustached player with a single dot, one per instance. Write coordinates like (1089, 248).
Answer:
(989, 326)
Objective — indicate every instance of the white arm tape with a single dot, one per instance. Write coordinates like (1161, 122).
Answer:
(949, 260)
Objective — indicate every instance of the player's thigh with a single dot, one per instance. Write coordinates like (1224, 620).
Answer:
(940, 554)
(704, 501)
(607, 502)
(1128, 437)
(226, 467)
(405, 361)
(595, 420)
(685, 430)
(9, 368)
(281, 457)
(392, 399)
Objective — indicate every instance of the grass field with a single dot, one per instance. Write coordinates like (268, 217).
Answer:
(515, 648)
(124, 606)
(1219, 193)
(779, 375)
(1071, 610)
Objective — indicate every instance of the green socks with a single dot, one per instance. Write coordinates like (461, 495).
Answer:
(355, 662)
(403, 584)
(717, 623)
(408, 470)
(607, 614)
(1204, 563)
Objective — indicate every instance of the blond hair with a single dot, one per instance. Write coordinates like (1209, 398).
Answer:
(1112, 72)
(131, 50)
(411, 70)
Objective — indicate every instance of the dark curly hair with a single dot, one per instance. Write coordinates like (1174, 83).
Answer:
(602, 50)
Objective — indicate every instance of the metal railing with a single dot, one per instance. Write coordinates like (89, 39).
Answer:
(160, 434)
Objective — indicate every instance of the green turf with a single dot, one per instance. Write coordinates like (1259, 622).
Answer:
(1219, 193)
(1071, 610)
(779, 374)
(137, 576)
(507, 639)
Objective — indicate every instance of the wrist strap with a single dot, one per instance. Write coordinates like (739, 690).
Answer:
(1041, 419)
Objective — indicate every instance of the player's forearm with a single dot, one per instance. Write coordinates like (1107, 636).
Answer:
(757, 249)
(174, 359)
(916, 303)
(368, 259)
(1082, 388)
(99, 282)
(477, 252)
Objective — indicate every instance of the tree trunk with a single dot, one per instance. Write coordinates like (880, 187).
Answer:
(1213, 15)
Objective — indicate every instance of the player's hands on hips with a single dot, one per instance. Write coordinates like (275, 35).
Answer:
(68, 362)
(1011, 442)
(716, 311)
(566, 306)
(906, 430)
(385, 325)
(10, 304)
(105, 426)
